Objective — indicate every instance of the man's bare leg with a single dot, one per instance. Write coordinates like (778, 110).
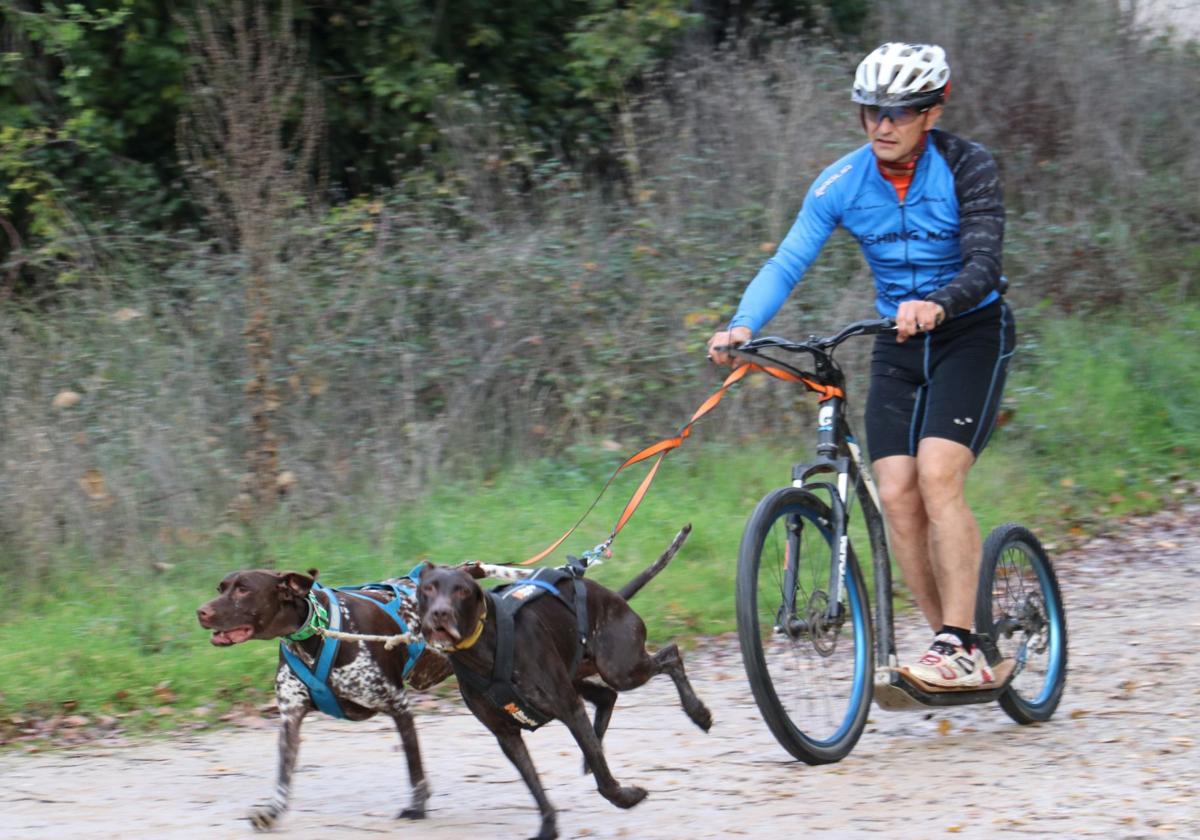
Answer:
(931, 530)
(955, 546)
(908, 531)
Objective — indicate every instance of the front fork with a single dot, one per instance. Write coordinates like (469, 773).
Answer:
(850, 470)
(831, 614)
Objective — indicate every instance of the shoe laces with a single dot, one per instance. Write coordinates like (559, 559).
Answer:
(947, 645)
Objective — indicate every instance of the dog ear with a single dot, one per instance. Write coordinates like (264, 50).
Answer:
(474, 569)
(312, 573)
(296, 585)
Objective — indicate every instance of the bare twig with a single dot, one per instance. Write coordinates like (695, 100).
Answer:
(14, 268)
(249, 143)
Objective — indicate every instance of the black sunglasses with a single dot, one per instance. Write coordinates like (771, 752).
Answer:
(898, 114)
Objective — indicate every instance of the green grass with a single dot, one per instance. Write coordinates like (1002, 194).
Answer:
(1105, 416)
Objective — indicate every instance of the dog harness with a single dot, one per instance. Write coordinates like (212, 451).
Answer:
(506, 601)
(316, 679)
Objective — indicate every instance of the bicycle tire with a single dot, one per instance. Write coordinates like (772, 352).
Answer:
(790, 657)
(1018, 599)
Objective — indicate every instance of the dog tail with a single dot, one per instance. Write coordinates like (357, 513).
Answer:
(634, 586)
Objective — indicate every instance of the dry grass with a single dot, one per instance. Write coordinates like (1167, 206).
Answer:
(515, 308)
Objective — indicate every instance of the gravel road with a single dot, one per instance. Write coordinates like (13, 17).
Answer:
(1118, 760)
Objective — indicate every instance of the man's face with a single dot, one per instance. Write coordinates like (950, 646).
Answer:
(895, 133)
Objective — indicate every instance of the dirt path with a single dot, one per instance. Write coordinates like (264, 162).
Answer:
(1118, 760)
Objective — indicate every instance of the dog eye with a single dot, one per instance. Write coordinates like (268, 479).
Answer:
(461, 592)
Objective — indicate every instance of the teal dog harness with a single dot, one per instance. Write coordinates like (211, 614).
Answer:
(316, 679)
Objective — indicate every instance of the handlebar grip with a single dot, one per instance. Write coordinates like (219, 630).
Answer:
(874, 326)
(871, 326)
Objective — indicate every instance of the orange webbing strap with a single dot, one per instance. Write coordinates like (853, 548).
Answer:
(666, 445)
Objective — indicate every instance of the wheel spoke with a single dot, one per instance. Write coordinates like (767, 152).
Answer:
(1026, 621)
(812, 678)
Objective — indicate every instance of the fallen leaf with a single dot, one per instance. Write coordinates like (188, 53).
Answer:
(944, 726)
(92, 482)
(65, 399)
(694, 319)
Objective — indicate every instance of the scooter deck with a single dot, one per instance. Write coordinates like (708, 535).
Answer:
(906, 692)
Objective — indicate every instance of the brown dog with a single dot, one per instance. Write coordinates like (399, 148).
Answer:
(364, 677)
(548, 668)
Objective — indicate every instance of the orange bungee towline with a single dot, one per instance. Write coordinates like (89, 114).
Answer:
(667, 444)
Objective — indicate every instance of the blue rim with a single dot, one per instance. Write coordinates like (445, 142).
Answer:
(860, 637)
(1054, 619)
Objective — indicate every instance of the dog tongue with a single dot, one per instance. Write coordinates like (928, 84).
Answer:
(448, 631)
(221, 638)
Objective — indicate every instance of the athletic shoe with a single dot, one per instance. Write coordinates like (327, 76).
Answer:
(948, 664)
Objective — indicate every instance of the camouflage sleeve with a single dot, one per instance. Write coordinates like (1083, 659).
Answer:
(981, 224)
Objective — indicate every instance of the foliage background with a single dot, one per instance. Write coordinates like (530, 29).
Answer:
(523, 221)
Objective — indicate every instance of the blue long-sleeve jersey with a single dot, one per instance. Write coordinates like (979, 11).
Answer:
(942, 243)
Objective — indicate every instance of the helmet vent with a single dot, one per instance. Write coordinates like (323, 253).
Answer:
(901, 74)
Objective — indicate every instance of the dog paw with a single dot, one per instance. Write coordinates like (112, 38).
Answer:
(700, 716)
(549, 830)
(411, 814)
(627, 797)
(264, 819)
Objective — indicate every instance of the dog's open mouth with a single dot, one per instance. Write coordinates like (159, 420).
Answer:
(442, 635)
(233, 636)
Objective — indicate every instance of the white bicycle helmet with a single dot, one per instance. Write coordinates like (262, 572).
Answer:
(902, 74)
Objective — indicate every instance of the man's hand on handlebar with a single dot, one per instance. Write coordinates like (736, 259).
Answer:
(917, 316)
(723, 340)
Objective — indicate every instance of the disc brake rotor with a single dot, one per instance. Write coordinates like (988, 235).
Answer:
(1033, 619)
(822, 631)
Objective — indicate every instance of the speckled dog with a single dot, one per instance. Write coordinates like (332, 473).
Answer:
(364, 678)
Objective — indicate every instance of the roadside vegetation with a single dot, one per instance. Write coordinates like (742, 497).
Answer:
(444, 355)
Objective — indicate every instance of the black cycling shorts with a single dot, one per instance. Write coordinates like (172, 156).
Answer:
(943, 384)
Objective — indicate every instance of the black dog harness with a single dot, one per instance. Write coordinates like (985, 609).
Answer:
(506, 601)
